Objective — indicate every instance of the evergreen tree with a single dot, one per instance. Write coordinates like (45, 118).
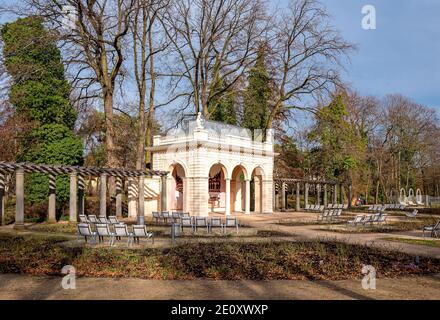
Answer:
(41, 93)
(257, 95)
(222, 106)
(339, 147)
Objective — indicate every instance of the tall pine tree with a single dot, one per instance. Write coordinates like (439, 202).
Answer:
(256, 96)
(40, 91)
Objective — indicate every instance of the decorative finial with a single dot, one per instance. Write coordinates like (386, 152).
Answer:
(199, 121)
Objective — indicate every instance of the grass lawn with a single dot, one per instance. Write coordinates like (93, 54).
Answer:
(41, 255)
(425, 242)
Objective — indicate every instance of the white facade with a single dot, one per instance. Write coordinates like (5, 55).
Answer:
(215, 168)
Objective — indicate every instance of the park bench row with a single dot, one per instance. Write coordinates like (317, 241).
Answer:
(330, 214)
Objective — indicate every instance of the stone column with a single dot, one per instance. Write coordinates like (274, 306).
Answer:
(141, 197)
(163, 194)
(335, 194)
(51, 209)
(274, 196)
(103, 195)
(306, 194)
(325, 195)
(185, 195)
(318, 194)
(298, 200)
(81, 194)
(119, 197)
(2, 198)
(228, 197)
(73, 201)
(247, 207)
(19, 193)
(283, 196)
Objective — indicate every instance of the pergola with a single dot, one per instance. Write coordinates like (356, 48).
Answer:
(281, 185)
(77, 174)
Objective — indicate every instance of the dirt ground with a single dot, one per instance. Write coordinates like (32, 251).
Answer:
(31, 287)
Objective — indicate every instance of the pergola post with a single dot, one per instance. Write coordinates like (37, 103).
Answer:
(51, 209)
(228, 197)
(325, 195)
(73, 200)
(335, 194)
(119, 197)
(163, 193)
(247, 203)
(318, 194)
(350, 190)
(103, 195)
(306, 195)
(298, 203)
(19, 194)
(2, 198)
(141, 198)
(81, 195)
(341, 193)
(283, 196)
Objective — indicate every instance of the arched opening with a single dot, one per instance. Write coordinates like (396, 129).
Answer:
(238, 189)
(177, 188)
(257, 190)
(217, 188)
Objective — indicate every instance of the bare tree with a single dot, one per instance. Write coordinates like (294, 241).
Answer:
(212, 41)
(307, 54)
(145, 48)
(92, 34)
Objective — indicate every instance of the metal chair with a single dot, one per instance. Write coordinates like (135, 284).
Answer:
(433, 229)
(121, 231)
(103, 231)
(93, 218)
(113, 220)
(231, 223)
(187, 222)
(140, 231)
(201, 222)
(216, 223)
(85, 231)
(83, 218)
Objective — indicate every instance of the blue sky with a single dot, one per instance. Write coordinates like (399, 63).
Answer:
(401, 56)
